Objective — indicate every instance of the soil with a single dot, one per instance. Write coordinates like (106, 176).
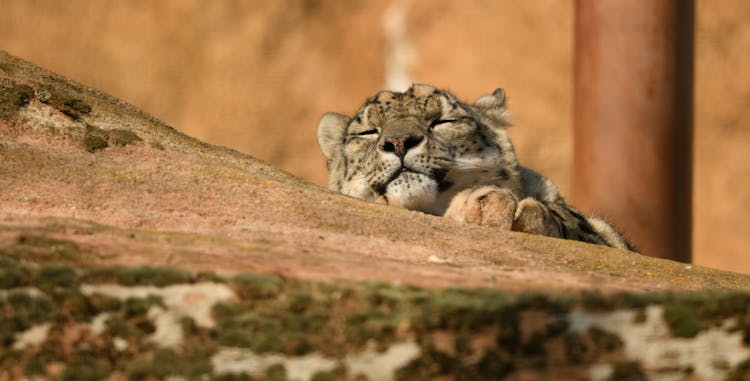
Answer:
(255, 76)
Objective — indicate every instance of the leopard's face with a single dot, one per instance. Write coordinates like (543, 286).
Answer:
(417, 149)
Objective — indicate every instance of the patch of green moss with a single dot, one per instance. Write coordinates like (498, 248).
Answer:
(276, 372)
(121, 138)
(324, 376)
(65, 97)
(196, 361)
(293, 323)
(254, 331)
(299, 301)
(138, 306)
(682, 320)
(13, 97)
(250, 286)
(274, 315)
(139, 369)
(104, 303)
(209, 276)
(157, 145)
(386, 295)
(75, 108)
(30, 310)
(711, 304)
(12, 274)
(31, 247)
(51, 276)
(117, 326)
(85, 367)
(49, 352)
(235, 337)
(94, 142)
(75, 304)
(192, 363)
(165, 362)
(468, 309)
(639, 300)
(95, 139)
(363, 325)
(557, 305)
(35, 366)
(597, 302)
(133, 276)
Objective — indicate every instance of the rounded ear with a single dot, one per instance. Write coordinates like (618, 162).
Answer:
(331, 130)
(493, 108)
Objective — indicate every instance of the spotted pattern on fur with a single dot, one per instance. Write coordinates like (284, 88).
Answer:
(423, 149)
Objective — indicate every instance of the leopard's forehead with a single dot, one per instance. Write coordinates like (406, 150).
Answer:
(421, 101)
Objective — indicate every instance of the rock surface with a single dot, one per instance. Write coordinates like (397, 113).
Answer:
(255, 273)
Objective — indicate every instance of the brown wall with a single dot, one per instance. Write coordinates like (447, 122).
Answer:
(256, 75)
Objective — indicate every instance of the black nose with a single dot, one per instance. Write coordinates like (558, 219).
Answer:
(400, 143)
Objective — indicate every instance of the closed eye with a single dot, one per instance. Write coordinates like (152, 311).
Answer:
(368, 132)
(441, 121)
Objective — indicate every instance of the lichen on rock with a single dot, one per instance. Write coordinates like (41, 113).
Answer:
(260, 325)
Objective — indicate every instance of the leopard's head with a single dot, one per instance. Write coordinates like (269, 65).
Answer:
(418, 148)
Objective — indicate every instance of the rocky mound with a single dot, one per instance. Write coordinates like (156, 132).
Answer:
(129, 250)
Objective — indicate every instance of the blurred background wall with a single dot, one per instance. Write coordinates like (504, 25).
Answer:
(257, 75)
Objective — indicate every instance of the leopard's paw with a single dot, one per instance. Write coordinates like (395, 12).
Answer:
(534, 218)
(487, 205)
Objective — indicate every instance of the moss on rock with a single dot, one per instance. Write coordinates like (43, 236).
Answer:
(75, 108)
(66, 99)
(13, 97)
(95, 138)
(141, 275)
(121, 138)
(11, 273)
(34, 247)
(257, 286)
(461, 332)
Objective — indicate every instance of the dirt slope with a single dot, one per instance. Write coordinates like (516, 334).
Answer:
(243, 75)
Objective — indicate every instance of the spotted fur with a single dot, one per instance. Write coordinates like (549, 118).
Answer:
(425, 150)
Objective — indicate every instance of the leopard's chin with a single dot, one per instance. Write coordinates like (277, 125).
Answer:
(414, 191)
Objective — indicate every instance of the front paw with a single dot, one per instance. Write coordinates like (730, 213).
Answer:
(534, 218)
(487, 205)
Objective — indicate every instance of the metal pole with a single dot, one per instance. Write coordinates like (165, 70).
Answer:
(633, 119)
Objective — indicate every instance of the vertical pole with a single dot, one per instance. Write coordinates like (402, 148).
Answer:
(633, 119)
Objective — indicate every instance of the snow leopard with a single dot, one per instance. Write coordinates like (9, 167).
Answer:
(425, 150)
